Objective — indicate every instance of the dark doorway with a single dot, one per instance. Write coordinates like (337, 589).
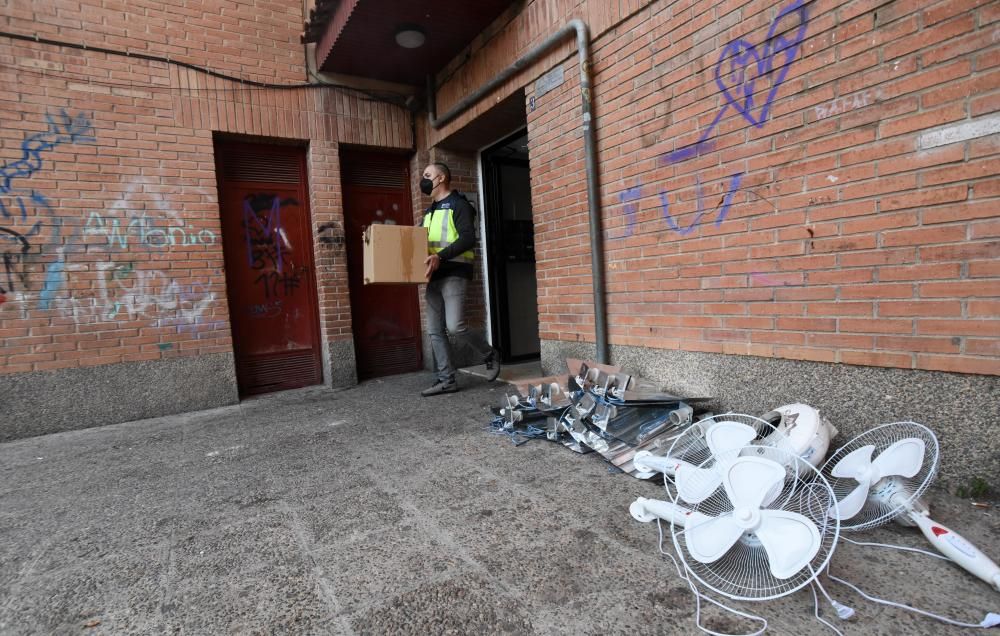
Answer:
(510, 245)
(385, 318)
(270, 277)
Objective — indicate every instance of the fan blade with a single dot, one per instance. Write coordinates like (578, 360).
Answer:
(852, 503)
(708, 541)
(725, 437)
(695, 485)
(790, 540)
(903, 458)
(750, 480)
(854, 463)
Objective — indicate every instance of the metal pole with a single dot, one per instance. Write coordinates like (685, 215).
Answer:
(589, 125)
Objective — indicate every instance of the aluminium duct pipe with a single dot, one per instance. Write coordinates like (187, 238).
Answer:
(589, 144)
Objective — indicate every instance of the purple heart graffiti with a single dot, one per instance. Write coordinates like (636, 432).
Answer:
(742, 65)
(748, 76)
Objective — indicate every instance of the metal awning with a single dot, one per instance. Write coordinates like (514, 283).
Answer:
(359, 37)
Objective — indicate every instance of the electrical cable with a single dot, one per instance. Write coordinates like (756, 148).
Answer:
(843, 611)
(159, 88)
(991, 620)
(816, 610)
(244, 82)
(936, 555)
(698, 596)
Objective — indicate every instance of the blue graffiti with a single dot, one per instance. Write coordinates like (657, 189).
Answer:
(55, 278)
(63, 128)
(266, 241)
(628, 198)
(741, 65)
(723, 207)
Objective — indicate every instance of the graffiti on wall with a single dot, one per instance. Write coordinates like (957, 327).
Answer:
(721, 209)
(747, 77)
(746, 71)
(63, 128)
(22, 207)
(265, 237)
(144, 231)
(847, 103)
(269, 251)
(115, 289)
(629, 199)
(123, 291)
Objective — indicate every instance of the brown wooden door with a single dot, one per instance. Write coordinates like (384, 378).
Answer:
(270, 277)
(385, 318)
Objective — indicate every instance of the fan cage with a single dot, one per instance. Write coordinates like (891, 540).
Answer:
(743, 573)
(692, 447)
(876, 513)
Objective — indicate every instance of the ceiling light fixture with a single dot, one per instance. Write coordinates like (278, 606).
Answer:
(410, 36)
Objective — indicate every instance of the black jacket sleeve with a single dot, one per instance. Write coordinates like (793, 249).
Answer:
(465, 223)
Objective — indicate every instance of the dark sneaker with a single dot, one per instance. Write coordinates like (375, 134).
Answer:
(441, 387)
(493, 365)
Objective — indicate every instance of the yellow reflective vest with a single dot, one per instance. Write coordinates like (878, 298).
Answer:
(441, 232)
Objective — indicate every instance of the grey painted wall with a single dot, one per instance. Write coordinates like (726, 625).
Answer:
(963, 410)
(340, 368)
(50, 401)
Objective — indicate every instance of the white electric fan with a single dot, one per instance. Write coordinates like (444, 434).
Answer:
(879, 477)
(699, 457)
(806, 433)
(762, 536)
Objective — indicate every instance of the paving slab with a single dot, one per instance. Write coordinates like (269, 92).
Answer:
(376, 511)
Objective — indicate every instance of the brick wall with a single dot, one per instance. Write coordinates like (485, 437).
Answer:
(847, 213)
(111, 238)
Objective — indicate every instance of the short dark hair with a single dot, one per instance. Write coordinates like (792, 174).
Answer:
(445, 170)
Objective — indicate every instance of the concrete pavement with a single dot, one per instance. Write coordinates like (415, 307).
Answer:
(372, 510)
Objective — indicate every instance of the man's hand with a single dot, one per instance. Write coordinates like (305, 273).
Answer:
(432, 262)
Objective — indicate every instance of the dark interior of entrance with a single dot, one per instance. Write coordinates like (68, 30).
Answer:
(510, 249)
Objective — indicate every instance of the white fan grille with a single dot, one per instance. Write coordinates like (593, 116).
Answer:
(875, 513)
(743, 573)
(691, 446)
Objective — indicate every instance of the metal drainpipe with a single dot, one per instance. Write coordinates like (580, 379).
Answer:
(590, 152)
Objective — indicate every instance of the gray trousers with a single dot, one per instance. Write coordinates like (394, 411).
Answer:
(446, 310)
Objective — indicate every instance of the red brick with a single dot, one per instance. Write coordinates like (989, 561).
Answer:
(878, 290)
(920, 308)
(984, 308)
(959, 252)
(806, 324)
(877, 359)
(919, 344)
(962, 289)
(957, 327)
(977, 346)
(806, 353)
(959, 364)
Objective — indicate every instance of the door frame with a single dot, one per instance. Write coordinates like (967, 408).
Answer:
(345, 152)
(491, 205)
(220, 146)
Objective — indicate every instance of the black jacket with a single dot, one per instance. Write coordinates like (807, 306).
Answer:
(465, 222)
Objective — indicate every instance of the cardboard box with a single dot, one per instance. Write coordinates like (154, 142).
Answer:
(394, 254)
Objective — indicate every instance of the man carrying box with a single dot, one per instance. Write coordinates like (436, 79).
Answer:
(451, 239)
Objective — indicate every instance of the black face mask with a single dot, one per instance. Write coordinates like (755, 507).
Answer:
(426, 186)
